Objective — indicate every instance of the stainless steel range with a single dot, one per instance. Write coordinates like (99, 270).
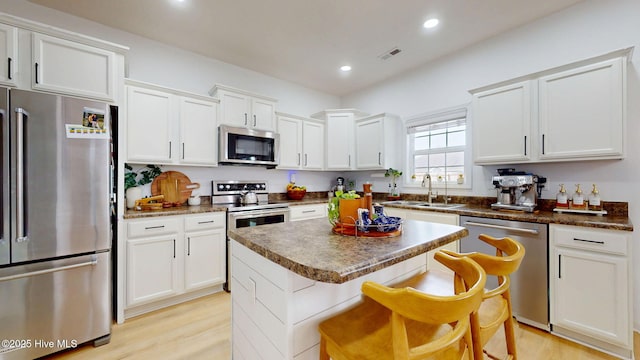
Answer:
(247, 205)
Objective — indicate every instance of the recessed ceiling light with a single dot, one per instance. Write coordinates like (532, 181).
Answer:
(431, 23)
(345, 68)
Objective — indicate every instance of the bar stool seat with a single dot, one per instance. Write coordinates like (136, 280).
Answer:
(403, 323)
(495, 309)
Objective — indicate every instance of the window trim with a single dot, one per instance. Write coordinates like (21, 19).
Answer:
(451, 113)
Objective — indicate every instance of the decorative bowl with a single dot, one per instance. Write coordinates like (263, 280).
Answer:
(296, 194)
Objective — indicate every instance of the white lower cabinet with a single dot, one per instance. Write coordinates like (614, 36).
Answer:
(152, 269)
(306, 212)
(429, 216)
(205, 241)
(590, 287)
(173, 259)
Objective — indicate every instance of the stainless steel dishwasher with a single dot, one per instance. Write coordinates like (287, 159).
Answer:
(529, 284)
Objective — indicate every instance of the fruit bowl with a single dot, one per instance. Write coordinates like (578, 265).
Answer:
(296, 194)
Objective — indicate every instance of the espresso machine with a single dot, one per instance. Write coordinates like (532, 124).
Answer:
(517, 190)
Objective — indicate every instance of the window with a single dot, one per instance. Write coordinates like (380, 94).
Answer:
(437, 145)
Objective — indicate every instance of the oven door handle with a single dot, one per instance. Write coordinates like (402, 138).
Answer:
(254, 213)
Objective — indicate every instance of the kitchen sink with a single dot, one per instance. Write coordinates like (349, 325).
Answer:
(403, 202)
(422, 204)
(439, 205)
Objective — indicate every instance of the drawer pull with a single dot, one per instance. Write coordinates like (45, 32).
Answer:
(308, 211)
(206, 222)
(589, 241)
(154, 227)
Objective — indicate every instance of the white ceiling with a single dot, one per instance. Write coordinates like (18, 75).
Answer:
(306, 41)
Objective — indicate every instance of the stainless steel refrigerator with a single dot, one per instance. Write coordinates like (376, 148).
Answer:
(55, 265)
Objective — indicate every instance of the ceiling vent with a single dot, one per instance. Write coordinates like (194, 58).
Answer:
(388, 54)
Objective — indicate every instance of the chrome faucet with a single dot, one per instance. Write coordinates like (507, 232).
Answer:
(430, 195)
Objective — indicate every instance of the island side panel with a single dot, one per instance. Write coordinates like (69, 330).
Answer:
(276, 312)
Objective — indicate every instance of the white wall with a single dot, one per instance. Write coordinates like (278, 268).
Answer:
(588, 29)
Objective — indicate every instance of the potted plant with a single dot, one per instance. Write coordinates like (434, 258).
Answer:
(132, 185)
(343, 207)
(394, 192)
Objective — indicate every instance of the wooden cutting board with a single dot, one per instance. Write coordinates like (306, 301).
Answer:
(174, 185)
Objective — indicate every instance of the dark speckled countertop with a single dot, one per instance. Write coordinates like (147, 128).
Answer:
(617, 219)
(309, 248)
(180, 210)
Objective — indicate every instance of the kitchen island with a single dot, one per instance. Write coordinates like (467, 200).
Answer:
(286, 278)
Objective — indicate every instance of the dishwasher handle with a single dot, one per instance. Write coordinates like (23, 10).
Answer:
(501, 227)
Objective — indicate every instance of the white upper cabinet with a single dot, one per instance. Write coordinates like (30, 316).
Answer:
(340, 142)
(312, 145)
(198, 131)
(377, 142)
(243, 109)
(582, 112)
(290, 130)
(504, 113)
(574, 112)
(166, 126)
(8, 54)
(149, 125)
(68, 67)
(35, 56)
(340, 137)
(301, 143)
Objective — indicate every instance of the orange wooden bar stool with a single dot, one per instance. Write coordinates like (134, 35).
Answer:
(495, 309)
(403, 323)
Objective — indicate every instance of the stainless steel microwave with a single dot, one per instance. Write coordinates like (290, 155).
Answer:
(242, 146)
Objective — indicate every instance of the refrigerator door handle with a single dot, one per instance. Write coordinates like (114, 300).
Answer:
(93, 262)
(21, 116)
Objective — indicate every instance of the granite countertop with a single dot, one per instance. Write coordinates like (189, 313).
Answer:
(180, 210)
(613, 221)
(310, 248)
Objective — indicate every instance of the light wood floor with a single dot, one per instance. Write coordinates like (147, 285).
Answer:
(201, 329)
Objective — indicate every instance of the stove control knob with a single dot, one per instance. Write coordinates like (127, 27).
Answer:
(220, 186)
(227, 187)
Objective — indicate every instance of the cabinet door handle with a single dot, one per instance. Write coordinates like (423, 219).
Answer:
(37, 80)
(206, 222)
(188, 246)
(559, 266)
(379, 158)
(525, 145)
(298, 159)
(542, 144)
(9, 68)
(245, 119)
(305, 159)
(174, 248)
(182, 151)
(255, 121)
(308, 211)
(169, 149)
(154, 227)
(589, 241)
(349, 158)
